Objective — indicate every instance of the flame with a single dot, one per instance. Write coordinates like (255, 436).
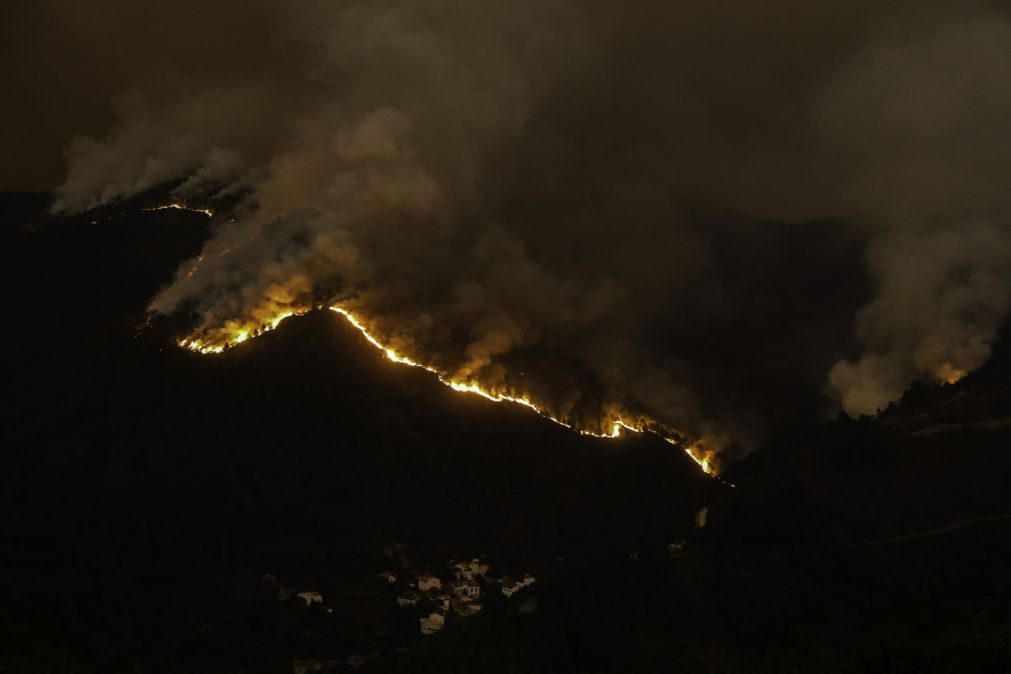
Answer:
(700, 457)
(233, 334)
(182, 207)
(390, 353)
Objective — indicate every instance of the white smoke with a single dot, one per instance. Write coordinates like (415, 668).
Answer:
(941, 298)
(924, 124)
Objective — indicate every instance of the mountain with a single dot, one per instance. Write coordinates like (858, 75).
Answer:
(158, 504)
(148, 491)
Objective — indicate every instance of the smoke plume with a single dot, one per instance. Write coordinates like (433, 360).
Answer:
(699, 213)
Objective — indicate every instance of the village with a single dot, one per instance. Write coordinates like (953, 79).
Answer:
(422, 599)
(459, 593)
(431, 600)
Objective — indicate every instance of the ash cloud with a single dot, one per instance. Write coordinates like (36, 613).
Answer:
(706, 213)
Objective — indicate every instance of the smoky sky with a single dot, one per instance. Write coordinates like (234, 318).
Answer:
(703, 212)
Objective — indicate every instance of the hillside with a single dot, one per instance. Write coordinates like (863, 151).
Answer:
(157, 501)
(148, 490)
(871, 545)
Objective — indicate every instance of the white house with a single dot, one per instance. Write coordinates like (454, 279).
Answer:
(511, 587)
(428, 583)
(467, 608)
(470, 570)
(466, 588)
(311, 666)
(407, 600)
(310, 598)
(432, 624)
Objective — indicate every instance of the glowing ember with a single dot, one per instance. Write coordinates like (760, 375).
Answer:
(233, 334)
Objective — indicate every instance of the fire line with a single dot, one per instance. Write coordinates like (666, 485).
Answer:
(617, 426)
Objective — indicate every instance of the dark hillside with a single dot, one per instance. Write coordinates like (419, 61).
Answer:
(146, 488)
(872, 545)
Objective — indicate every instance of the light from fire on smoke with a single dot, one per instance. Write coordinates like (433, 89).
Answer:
(950, 374)
(234, 335)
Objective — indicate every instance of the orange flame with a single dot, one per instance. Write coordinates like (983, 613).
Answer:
(236, 333)
(183, 207)
(702, 458)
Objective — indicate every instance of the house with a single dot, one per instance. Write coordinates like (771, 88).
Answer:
(467, 589)
(356, 661)
(426, 583)
(511, 587)
(470, 570)
(312, 666)
(407, 600)
(387, 577)
(467, 608)
(432, 624)
(310, 598)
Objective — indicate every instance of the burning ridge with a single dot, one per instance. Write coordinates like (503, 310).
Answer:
(234, 334)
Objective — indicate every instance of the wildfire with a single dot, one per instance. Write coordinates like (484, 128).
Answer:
(390, 353)
(234, 334)
(950, 374)
(182, 207)
(617, 425)
(700, 457)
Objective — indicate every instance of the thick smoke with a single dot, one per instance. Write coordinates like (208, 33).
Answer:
(589, 203)
(942, 296)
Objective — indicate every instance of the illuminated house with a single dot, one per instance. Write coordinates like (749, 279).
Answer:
(426, 583)
(467, 608)
(310, 598)
(432, 624)
(466, 588)
(511, 587)
(312, 666)
(470, 570)
(407, 600)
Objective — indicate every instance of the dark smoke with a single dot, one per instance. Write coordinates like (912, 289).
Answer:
(596, 195)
